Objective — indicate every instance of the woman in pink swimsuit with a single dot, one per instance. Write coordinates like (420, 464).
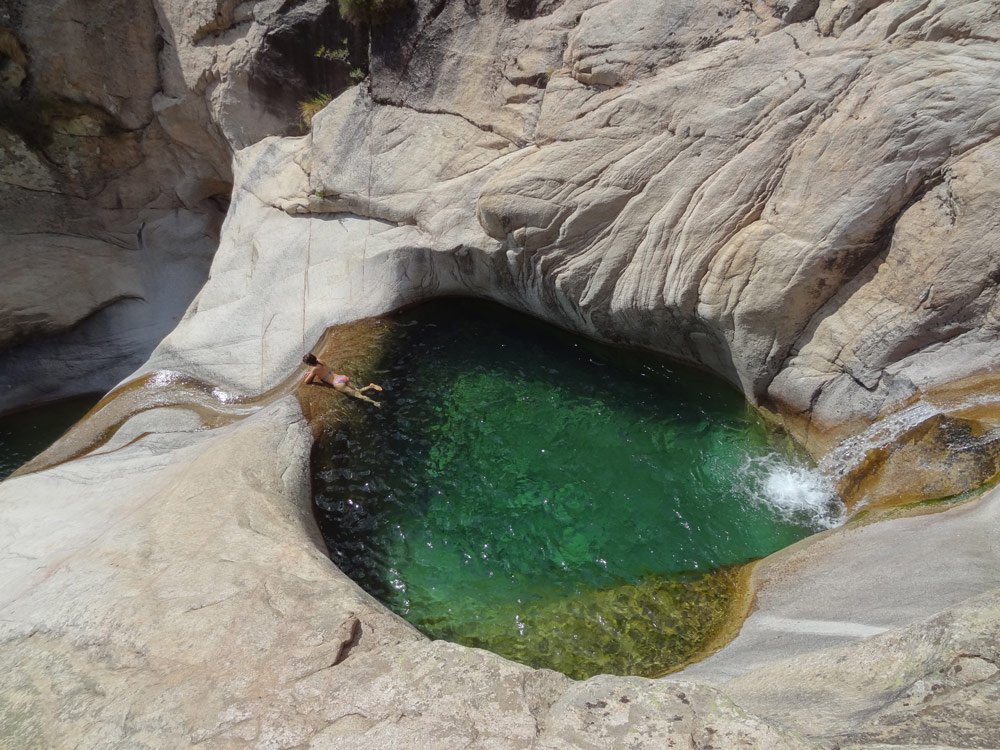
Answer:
(321, 374)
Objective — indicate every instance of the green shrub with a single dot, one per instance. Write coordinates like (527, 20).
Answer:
(342, 56)
(372, 12)
(337, 54)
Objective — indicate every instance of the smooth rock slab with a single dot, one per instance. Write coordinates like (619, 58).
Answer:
(933, 682)
(173, 591)
(853, 583)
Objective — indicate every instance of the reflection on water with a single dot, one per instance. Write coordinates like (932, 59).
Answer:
(564, 504)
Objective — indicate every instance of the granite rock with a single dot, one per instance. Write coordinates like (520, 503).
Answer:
(798, 196)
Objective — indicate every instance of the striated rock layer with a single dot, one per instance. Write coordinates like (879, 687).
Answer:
(799, 196)
(804, 208)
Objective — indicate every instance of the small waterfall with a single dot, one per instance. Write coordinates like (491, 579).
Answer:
(851, 452)
(161, 389)
(798, 493)
(885, 432)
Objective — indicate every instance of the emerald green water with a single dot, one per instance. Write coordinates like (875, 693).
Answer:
(564, 504)
(25, 434)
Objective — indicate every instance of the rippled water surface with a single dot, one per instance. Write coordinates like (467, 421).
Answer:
(25, 434)
(564, 504)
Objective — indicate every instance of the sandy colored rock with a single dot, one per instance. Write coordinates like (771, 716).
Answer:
(798, 196)
(931, 683)
(940, 457)
(759, 202)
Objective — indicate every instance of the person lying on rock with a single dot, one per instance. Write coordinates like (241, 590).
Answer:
(321, 374)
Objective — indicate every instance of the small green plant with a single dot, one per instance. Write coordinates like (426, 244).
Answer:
(371, 12)
(336, 54)
(341, 54)
(309, 108)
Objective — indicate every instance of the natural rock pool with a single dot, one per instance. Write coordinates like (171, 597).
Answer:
(25, 434)
(561, 503)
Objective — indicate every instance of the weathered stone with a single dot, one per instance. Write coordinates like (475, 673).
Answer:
(78, 55)
(293, 650)
(80, 312)
(171, 590)
(680, 208)
(932, 683)
(899, 325)
(799, 196)
(86, 275)
(132, 116)
(473, 60)
(858, 582)
(941, 457)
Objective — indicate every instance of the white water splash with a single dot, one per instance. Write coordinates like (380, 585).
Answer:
(800, 494)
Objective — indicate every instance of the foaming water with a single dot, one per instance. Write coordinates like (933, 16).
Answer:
(801, 494)
(561, 503)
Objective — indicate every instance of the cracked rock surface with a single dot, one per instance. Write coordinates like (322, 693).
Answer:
(805, 208)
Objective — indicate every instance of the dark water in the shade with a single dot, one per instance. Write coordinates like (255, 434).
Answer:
(25, 434)
(564, 504)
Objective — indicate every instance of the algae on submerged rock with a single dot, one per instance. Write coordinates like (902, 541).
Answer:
(648, 628)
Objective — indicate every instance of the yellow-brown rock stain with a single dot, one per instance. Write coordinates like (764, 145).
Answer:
(952, 452)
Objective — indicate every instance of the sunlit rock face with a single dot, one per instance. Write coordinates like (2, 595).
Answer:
(804, 207)
(797, 195)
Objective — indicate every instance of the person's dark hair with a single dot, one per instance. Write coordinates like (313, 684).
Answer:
(310, 359)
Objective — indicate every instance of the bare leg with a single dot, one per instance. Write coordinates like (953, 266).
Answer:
(352, 391)
(370, 387)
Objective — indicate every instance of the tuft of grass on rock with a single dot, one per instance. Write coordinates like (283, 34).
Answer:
(309, 108)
